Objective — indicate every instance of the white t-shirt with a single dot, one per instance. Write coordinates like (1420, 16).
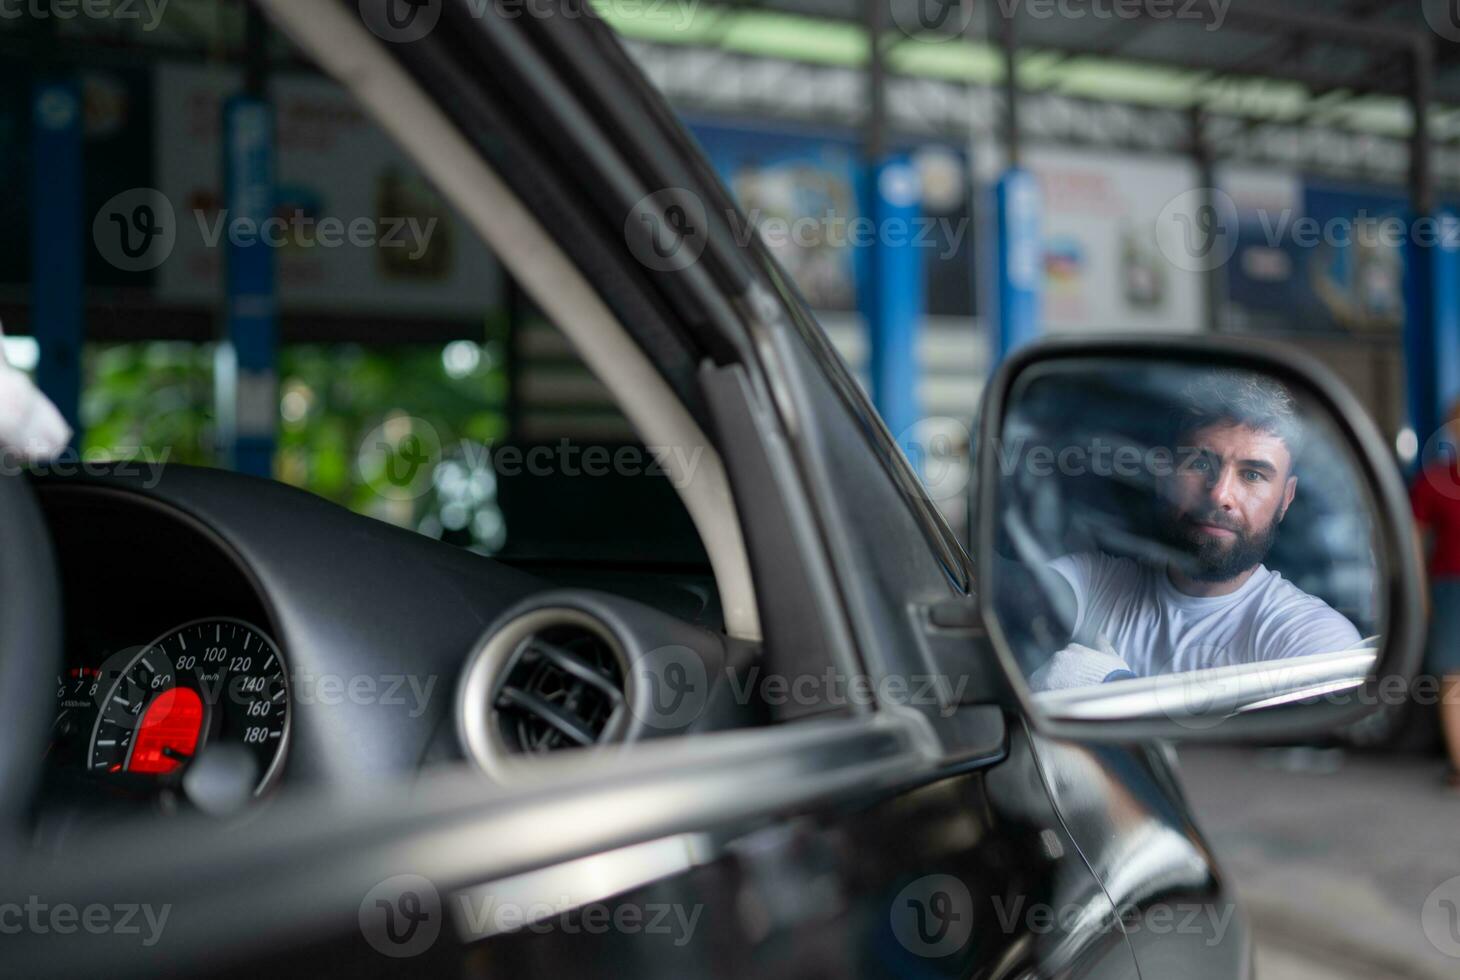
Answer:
(1159, 629)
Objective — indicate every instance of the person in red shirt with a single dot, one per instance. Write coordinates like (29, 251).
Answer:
(1435, 498)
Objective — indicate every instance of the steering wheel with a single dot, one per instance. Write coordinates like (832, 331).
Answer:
(30, 644)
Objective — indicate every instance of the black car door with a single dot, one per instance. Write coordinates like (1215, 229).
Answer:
(893, 822)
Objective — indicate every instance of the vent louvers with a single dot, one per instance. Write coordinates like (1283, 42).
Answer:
(559, 690)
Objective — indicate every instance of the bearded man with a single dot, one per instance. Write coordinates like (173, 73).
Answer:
(1211, 602)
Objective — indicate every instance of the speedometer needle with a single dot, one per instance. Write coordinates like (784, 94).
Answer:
(173, 753)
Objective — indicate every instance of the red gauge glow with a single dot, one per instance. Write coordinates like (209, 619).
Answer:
(209, 682)
(168, 734)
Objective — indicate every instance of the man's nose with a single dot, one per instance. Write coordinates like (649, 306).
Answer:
(1221, 488)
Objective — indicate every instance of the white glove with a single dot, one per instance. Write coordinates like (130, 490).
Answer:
(30, 425)
(1080, 666)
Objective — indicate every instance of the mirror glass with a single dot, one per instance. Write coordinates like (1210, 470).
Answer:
(1179, 542)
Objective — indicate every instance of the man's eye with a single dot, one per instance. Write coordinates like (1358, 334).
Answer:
(1200, 465)
(1253, 476)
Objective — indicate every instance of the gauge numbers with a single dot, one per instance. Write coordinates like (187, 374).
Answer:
(208, 682)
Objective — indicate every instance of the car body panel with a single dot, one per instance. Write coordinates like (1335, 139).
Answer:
(838, 846)
(1126, 812)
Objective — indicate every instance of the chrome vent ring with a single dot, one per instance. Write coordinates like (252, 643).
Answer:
(559, 689)
(551, 678)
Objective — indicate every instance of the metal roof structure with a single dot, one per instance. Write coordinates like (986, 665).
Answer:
(1315, 43)
(1338, 65)
(1329, 85)
(1327, 50)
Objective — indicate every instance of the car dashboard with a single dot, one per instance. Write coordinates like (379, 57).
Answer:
(227, 637)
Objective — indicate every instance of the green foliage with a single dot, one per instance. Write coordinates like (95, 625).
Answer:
(153, 396)
(159, 397)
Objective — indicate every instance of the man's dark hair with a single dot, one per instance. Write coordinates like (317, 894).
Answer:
(1240, 398)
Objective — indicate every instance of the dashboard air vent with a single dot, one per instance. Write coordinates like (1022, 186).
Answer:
(559, 689)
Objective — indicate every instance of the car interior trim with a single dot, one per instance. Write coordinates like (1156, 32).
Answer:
(345, 48)
(474, 708)
(456, 830)
(549, 892)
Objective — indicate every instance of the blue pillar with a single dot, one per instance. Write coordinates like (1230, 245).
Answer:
(1019, 258)
(252, 303)
(1446, 312)
(57, 243)
(1432, 325)
(892, 286)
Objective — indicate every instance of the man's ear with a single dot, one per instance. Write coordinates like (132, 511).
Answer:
(1289, 492)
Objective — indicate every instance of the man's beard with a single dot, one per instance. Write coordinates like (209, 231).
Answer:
(1209, 558)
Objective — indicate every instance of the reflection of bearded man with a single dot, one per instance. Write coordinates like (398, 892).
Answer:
(1211, 603)
(1237, 440)
(1210, 559)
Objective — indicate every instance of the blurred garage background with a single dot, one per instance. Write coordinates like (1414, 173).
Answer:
(943, 179)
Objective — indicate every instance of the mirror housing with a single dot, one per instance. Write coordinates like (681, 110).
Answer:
(1223, 703)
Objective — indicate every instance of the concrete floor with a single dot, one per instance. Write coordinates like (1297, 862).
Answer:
(1335, 856)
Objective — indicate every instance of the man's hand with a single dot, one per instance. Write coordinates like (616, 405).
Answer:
(29, 423)
(1080, 666)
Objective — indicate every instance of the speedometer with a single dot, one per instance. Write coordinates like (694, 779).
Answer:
(209, 682)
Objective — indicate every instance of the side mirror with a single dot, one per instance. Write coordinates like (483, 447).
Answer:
(1179, 539)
